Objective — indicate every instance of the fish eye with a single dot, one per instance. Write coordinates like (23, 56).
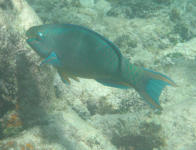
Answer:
(40, 35)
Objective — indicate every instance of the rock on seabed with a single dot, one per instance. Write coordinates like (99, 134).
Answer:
(87, 3)
(47, 114)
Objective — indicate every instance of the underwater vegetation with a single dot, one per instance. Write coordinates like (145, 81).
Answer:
(126, 40)
(183, 19)
(148, 139)
(10, 125)
(39, 112)
(21, 146)
(125, 134)
(7, 78)
(9, 121)
(135, 8)
(19, 96)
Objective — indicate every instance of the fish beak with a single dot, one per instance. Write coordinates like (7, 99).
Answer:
(31, 38)
(31, 33)
(36, 42)
(38, 47)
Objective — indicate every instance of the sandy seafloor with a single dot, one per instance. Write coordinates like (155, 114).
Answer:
(39, 112)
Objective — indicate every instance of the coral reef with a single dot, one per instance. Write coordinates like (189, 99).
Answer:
(38, 111)
(9, 122)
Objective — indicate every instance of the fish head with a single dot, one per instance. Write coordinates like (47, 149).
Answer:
(42, 39)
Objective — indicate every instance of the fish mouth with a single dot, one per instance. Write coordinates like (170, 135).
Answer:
(36, 42)
(38, 46)
(29, 40)
(33, 38)
(32, 35)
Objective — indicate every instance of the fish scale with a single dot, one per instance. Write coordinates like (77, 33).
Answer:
(76, 51)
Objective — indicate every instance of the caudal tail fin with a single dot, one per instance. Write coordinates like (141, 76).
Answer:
(151, 86)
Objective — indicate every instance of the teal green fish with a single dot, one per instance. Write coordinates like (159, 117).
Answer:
(76, 51)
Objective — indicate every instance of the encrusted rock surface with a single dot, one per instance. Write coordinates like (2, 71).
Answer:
(38, 111)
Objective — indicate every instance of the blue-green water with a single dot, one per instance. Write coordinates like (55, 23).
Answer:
(39, 112)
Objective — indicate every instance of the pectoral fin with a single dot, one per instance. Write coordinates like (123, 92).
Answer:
(51, 59)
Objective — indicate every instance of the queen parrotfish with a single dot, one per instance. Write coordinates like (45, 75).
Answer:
(76, 51)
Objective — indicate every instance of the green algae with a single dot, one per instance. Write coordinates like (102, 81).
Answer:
(183, 30)
(175, 14)
(150, 137)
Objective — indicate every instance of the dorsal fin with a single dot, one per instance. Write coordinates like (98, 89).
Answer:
(114, 47)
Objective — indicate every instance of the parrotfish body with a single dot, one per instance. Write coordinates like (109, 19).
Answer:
(79, 52)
